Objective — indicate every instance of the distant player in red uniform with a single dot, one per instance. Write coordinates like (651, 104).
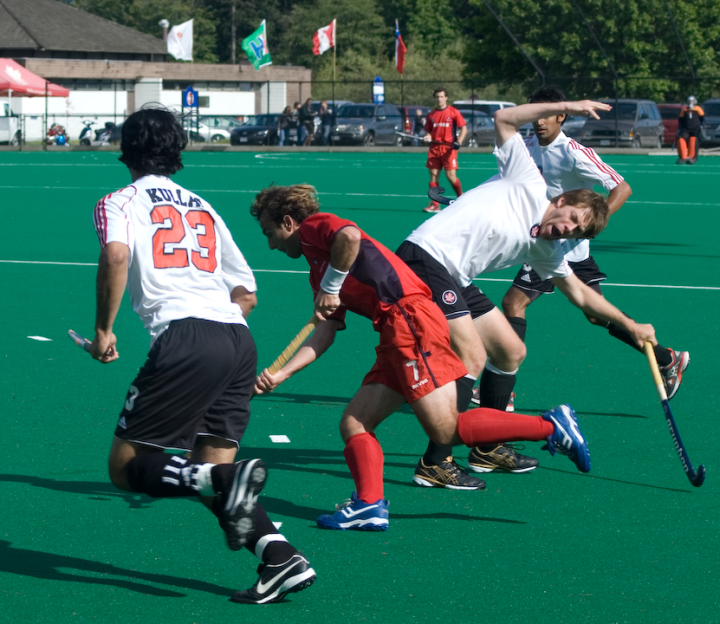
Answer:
(441, 127)
(415, 363)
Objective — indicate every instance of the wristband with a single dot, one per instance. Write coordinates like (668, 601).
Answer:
(333, 280)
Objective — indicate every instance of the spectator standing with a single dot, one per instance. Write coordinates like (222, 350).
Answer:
(285, 122)
(326, 118)
(306, 117)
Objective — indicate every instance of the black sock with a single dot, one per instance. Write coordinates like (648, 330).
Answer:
(435, 454)
(495, 389)
(221, 475)
(275, 552)
(161, 475)
(662, 354)
(519, 325)
(464, 387)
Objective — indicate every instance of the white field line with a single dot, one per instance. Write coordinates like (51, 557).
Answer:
(477, 279)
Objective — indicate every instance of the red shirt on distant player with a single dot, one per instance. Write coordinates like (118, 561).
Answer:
(442, 125)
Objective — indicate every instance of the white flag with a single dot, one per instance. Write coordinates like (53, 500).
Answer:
(180, 41)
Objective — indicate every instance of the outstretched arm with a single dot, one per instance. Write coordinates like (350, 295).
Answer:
(595, 305)
(310, 351)
(508, 120)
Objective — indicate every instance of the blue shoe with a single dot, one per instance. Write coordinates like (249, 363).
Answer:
(357, 515)
(567, 439)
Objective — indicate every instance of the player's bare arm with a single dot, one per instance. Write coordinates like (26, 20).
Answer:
(595, 305)
(618, 196)
(110, 286)
(508, 120)
(343, 253)
(244, 298)
(321, 340)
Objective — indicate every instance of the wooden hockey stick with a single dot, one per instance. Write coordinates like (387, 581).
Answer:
(696, 478)
(293, 346)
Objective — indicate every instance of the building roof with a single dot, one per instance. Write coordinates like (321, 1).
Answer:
(52, 26)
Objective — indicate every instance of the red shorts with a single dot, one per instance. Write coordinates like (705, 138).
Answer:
(442, 159)
(414, 355)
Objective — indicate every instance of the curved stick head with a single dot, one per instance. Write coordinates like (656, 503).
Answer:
(436, 194)
(699, 477)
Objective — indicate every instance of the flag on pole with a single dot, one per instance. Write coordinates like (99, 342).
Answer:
(180, 41)
(400, 50)
(256, 48)
(324, 38)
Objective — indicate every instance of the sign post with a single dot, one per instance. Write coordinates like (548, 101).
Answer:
(190, 100)
(378, 89)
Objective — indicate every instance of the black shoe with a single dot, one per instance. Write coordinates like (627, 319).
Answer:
(691, 161)
(502, 458)
(276, 581)
(238, 513)
(681, 161)
(448, 475)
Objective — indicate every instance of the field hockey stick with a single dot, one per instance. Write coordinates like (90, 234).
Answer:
(419, 138)
(81, 342)
(436, 194)
(293, 346)
(696, 478)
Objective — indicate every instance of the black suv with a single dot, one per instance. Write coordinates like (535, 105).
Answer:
(638, 125)
(368, 124)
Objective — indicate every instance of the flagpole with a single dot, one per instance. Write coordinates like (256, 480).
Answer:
(334, 105)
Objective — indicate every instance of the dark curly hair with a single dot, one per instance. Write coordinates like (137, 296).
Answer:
(299, 201)
(152, 140)
(546, 94)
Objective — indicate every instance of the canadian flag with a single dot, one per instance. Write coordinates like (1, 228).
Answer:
(400, 50)
(324, 38)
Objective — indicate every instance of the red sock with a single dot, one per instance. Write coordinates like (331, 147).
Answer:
(457, 187)
(484, 426)
(365, 459)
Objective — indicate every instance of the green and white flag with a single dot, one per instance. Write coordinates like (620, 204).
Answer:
(256, 48)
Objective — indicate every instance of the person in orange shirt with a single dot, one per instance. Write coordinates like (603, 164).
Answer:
(690, 124)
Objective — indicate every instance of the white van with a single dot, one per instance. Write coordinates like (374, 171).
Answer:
(484, 106)
(9, 124)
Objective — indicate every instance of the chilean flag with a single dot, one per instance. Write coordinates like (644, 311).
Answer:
(324, 38)
(400, 50)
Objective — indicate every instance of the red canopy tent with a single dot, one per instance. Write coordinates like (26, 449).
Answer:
(15, 79)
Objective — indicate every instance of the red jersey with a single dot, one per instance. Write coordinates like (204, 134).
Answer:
(377, 279)
(442, 124)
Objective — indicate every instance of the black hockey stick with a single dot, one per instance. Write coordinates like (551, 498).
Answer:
(419, 138)
(436, 194)
(696, 478)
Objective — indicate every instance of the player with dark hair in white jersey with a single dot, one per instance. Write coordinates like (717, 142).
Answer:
(566, 165)
(505, 222)
(192, 288)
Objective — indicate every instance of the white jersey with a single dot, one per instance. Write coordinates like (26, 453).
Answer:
(495, 225)
(183, 261)
(566, 165)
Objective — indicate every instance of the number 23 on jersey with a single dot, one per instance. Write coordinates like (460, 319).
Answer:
(177, 257)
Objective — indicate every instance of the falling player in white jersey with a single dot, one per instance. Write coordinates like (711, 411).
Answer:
(567, 165)
(507, 221)
(192, 287)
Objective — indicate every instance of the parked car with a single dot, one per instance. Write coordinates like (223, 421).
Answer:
(711, 108)
(224, 122)
(484, 106)
(573, 126)
(670, 114)
(202, 133)
(638, 125)
(260, 130)
(368, 124)
(481, 128)
(409, 113)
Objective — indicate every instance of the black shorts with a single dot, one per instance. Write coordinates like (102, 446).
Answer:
(530, 283)
(453, 300)
(197, 381)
